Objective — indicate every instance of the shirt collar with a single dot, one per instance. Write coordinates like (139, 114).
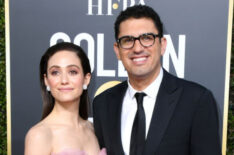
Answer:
(151, 90)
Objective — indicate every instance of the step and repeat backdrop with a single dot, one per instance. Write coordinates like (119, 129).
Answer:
(196, 31)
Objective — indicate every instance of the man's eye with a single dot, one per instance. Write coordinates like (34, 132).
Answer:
(147, 37)
(127, 40)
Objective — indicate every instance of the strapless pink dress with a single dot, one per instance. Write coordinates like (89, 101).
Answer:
(77, 152)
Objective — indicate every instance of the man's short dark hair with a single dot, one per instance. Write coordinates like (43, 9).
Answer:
(139, 11)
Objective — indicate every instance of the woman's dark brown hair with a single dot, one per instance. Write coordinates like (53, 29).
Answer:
(48, 99)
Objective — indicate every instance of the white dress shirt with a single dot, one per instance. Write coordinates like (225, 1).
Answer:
(129, 109)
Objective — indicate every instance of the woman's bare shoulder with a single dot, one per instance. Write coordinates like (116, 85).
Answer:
(38, 139)
(40, 130)
(93, 147)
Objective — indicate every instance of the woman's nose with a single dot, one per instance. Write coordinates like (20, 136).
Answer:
(64, 79)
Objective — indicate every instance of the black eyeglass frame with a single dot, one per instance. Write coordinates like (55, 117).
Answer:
(138, 38)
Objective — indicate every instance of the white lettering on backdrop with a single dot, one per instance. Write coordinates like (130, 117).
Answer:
(177, 61)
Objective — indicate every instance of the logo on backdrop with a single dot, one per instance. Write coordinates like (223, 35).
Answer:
(95, 7)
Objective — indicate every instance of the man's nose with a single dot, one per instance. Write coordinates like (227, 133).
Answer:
(137, 46)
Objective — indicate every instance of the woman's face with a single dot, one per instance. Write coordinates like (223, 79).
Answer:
(65, 76)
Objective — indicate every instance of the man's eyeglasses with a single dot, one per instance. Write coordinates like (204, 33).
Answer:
(146, 40)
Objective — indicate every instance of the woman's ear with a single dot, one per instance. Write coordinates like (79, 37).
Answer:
(87, 79)
(46, 80)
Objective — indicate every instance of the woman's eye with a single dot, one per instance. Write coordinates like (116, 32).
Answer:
(54, 73)
(73, 72)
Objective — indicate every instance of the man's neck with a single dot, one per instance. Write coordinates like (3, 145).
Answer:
(140, 83)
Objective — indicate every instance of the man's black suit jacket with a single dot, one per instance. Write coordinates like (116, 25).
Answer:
(184, 120)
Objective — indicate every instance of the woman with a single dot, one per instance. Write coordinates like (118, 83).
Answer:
(64, 129)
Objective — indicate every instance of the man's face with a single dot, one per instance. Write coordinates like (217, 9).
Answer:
(139, 61)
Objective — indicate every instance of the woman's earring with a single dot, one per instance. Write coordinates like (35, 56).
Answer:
(48, 88)
(84, 86)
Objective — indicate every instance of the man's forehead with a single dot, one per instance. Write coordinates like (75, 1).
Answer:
(137, 26)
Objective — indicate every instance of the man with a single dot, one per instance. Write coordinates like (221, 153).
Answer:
(168, 115)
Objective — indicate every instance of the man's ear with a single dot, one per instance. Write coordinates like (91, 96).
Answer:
(163, 45)
(116, 49)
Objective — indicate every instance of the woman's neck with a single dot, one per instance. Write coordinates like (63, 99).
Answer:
(66, 113)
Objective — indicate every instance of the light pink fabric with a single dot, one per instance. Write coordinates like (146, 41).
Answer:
(78, 152)
(103, 152)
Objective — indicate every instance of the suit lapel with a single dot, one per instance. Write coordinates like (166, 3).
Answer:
(166, 101)
(114, 110)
